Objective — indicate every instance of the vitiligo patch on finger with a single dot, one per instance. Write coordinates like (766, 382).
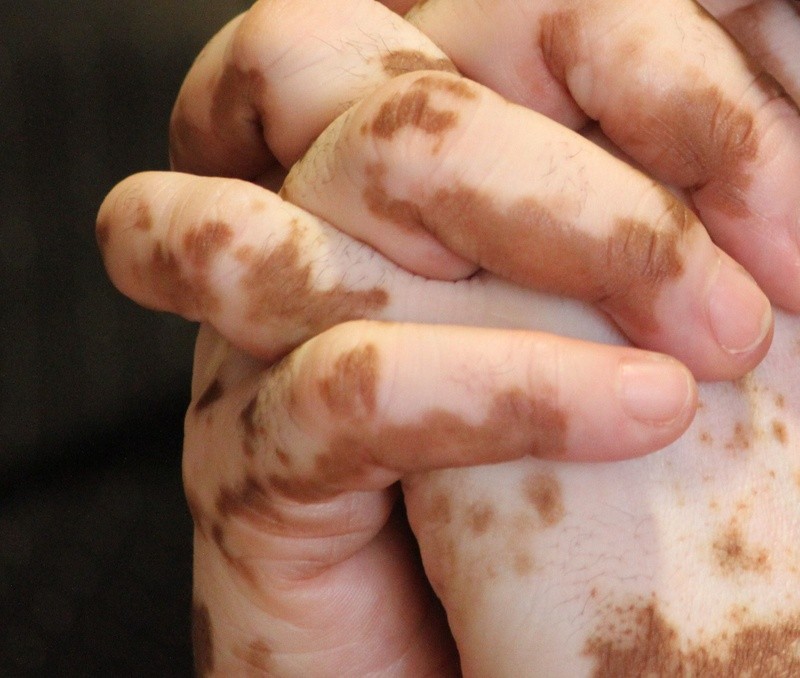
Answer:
(687, 136)
(625, 268)
(281, 288)
(415, 108)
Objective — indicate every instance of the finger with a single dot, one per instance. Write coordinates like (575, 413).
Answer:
(269, 276)
(671, 88)
(275, 77)
(770, 32)
(293, 511)
(363, 404)
(537, 204)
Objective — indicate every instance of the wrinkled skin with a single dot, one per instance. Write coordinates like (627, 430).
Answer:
(678, 563)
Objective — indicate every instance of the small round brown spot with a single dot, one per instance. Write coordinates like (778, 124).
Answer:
(480, 517)
(543, 490)
(779, 432)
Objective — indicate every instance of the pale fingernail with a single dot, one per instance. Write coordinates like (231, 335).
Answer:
(655, 390)
(738, 311)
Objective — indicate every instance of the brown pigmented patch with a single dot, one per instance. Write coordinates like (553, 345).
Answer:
(706, 438)
(414, 108)
(516, 425)
(700, 137)
(439, 511)
(636, 640)
(143, 217)
(480, 517)
(186, 293)
(522, 563)
(528, 243)
(350, 390)
(780, 401)
(402, 61)
(559, 38)
(732, 555)
(688, 137)
(281, 291)
(249, 498)
(202, 640)
(211, 395)
(411, 109)
(741, 439)
(543, 491)
(779, 432)
(204, 243)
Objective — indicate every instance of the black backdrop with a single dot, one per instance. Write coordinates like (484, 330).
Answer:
(95, 539)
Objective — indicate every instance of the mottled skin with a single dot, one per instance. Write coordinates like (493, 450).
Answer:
(694, 548)
(678, 564)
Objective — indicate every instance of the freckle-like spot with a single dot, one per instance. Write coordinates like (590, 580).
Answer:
(636, 640)
(202, 640)
(281, 292)
(350, 390)
(205, 242)
(439, 511)
(402, 61)
(480, 517)
(706, 438)
(779, 432)
(623, 269)
(211, 395)
(733, 555)
(780, 401)
(741, 438)
(143, 217)
(522, 563)
(543, 491)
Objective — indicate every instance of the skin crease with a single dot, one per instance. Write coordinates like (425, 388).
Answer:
(544, 504)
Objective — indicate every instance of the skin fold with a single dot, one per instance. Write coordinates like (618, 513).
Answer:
(332, 379)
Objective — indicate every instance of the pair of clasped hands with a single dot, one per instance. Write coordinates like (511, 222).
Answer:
(393, 308)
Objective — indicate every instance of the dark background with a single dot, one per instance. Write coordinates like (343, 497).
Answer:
(95, 538)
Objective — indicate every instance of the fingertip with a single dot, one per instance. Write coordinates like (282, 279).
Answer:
(657, 391)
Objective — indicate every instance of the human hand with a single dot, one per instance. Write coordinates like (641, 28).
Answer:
(199, 245)
(685, 319)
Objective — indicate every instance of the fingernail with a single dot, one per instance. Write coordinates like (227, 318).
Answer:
(739, 312)
(656, 390)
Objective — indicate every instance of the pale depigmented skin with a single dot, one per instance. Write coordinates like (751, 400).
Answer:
(686, 562)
